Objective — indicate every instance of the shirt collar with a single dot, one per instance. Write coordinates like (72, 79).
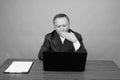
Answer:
(62, 39)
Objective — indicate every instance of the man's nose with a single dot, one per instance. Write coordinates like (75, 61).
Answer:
(62, 28)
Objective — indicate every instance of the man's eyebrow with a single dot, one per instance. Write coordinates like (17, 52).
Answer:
(62, 25)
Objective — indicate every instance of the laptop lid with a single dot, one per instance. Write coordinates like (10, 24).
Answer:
(64, 61)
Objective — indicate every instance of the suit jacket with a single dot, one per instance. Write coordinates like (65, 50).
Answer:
(53, 43)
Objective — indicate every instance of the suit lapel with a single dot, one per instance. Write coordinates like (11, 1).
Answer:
(56, 41)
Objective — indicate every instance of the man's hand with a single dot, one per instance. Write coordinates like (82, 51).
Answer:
(69, 36)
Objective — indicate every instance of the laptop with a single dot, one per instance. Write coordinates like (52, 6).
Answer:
(64, 61)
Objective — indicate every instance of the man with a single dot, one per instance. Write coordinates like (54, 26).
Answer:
(62, 39)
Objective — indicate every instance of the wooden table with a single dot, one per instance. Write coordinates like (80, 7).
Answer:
(95, 70)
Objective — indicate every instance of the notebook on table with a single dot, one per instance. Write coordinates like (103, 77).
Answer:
(64, 61)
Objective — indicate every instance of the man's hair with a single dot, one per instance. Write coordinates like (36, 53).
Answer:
(60, 16)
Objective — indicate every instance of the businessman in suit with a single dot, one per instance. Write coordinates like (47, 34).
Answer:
(62, 39)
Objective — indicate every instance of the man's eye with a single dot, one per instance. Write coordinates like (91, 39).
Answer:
(58, 26)
(64, 25)
(61, 26)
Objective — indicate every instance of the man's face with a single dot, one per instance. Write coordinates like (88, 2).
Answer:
(61, 25)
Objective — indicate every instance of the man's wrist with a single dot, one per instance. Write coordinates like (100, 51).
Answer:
(76, 40)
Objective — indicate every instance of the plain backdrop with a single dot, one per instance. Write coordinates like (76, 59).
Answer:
(24, 23)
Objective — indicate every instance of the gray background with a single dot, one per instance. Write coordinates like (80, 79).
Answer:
(24, 23)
